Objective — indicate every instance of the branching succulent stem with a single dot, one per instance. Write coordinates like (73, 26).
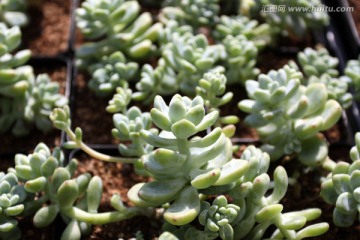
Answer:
(96, 154)
(102, 218)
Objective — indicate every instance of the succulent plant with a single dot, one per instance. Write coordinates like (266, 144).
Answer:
(218, 216)
(319, 67)
(42, 99)
(240, 60)
(60, 118)
(127, 128)
(285, 17)
(317, 62)
(10, 39)
(12, 197)
(160, 80)
(12, 12)
(253, 209)
(352, 71)
(24, 99)
(184, 165)
(13, 81)
(190, 57)
(29, 101)
(120, 100)
(183, 63)
(121, 28)
(111, 72)
(342, 186)
(260, 208)
(212, 89)
(171, 27)
(289, 116)
(337, 88)
(40, 184)
(193, 12)
(259, 34)
(99, 18)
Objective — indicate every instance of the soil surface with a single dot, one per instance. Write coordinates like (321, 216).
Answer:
(48, 31)
(90, 114)
(117, 178)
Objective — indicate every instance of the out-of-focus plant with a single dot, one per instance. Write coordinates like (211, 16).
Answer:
(317, 62)
(190, 57)
(121, 28)
(240, 61)
(183, 63)
(12, 197)
(111, 72)
(13, 12)
(160, 80)
(193, 12)
(10, 39)
(289, 116)
(25, 100)
(33, 107)
(124, 35)
(342, 188)
(281, 15)
(259, 34)
(352, 72)
(337, 88)
(319, 67)
(167, 34)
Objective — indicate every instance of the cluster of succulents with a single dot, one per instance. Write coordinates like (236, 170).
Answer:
(289, 116)
(318, 66)
(25, 99)
(120, 25)
(252, 210)
(43, 185)
(259, 34)
(193, 12)
(352, 73)
(342, 187)
(289, 17)
(204, 187)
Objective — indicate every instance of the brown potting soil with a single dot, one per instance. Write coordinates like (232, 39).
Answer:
(89, 113)
(117, 178)
(48, 31)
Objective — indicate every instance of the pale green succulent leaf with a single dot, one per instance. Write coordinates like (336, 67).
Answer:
(185, 208)
(231, 171)
(45, 216)
(161, 191)
(268, 213)
(206, 179)
(314, 151)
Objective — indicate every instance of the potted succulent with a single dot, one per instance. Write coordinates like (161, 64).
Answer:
(175, 82)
